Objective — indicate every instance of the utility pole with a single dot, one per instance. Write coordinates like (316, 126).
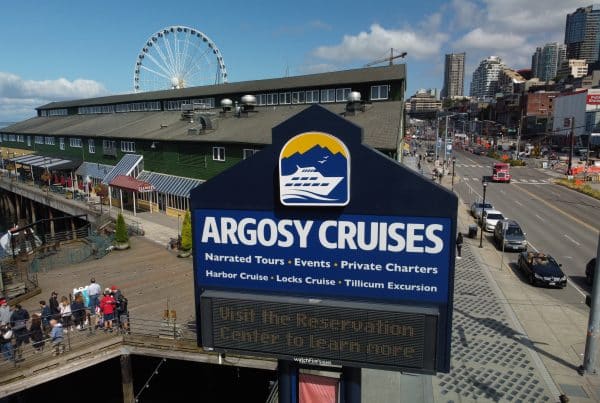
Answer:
(437, 135)
(571, 141)
(590, 362)
(445, 146)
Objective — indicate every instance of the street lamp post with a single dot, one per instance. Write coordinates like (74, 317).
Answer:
(482, 211)
(453, 164)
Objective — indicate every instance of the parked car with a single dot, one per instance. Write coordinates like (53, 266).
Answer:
(541, 269)
(508, 235)
(490, 219)
(477, 206)
(590, 270)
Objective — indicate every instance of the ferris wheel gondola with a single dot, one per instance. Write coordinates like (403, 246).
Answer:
(178, 57)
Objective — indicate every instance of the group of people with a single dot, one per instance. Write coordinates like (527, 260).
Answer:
(104, 310)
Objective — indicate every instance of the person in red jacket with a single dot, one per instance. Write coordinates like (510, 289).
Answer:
(107, 307)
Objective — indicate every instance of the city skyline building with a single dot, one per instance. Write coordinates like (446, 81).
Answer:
(546, 60)
(454, 75)
(484, 84)
(582, 33)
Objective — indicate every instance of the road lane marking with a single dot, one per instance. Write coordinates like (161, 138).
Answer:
(572, 240)
(519, 203)
(577, 220)
(539, 218)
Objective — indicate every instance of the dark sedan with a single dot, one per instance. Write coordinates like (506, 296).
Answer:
(542, 269)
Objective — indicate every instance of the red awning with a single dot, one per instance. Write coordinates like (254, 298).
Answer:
(131, 184)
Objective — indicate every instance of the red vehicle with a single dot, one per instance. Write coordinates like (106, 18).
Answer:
(501, 172)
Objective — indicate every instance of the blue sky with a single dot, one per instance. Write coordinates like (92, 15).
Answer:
(59, 50)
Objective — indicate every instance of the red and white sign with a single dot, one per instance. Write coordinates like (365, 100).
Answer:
(593, 99)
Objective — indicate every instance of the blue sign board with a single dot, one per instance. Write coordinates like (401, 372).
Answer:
(354, 256)
(319, 218)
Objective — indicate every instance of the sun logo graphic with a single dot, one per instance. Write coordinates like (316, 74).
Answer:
(314, 170)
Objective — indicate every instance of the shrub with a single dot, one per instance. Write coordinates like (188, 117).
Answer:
(121, 230)
(186, 232)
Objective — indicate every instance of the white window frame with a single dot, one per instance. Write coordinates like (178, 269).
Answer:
(28, 141)
(312, 97)
(91, 146)
(298, 97)
(49, 140)
(327, 95)
(61, 143)
(378, 96)
(75, 142)
(218, 154)
(39, 139)
(272, 99)
(285, 98)
(20, 138)
(341, 94)
(128, 146)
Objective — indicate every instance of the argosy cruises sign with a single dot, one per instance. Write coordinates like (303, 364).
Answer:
(378, 257)
(291, 223)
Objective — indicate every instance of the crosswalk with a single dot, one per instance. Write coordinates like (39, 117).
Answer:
(517, 181)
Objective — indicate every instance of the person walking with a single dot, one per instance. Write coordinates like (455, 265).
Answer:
(54, 305)
(46, 316)
(94, 291)
(4, 312)
(78, 311)
(57, 337)
(65, 313)
(459, 242)
(18, 323)
(36, 333)
(6, 347)
(107, 307)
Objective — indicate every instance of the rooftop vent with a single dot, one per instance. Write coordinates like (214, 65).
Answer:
(204, 123)
(354, 104)
(226, 105)
(248, 102)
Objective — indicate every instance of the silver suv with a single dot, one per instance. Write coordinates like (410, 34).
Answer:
(508, 235)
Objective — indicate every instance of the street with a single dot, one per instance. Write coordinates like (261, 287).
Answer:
(557, 220)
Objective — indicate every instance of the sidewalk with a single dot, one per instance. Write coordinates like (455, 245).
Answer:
(511, 342)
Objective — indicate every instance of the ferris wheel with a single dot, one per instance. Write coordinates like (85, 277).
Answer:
(178, 57)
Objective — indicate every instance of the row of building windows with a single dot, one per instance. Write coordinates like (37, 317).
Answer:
(378, 93)
(109, 146)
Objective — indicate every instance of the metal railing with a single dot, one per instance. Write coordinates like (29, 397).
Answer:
(80, 340)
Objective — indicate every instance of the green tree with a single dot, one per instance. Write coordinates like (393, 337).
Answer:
(186, 232)
(121, 230)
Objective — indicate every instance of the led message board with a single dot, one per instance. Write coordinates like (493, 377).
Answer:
(352, 334)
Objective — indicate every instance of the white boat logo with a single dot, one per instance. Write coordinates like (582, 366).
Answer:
(314, 170)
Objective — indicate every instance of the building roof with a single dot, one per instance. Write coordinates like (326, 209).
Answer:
(46, 162)
(380, 121)
(362, 75)
(124, 167)
(131, 184)
(94, 170)
(170, 184)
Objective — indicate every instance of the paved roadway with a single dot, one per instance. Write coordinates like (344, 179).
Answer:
(557, 220)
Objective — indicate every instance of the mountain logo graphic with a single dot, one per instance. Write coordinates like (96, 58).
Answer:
(314, 170)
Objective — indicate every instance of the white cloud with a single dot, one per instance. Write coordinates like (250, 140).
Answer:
(492, 41)
(467, 14)
(372, 45)
(19, 98)
(530, 17)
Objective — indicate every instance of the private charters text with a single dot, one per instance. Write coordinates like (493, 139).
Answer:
(361, 235)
